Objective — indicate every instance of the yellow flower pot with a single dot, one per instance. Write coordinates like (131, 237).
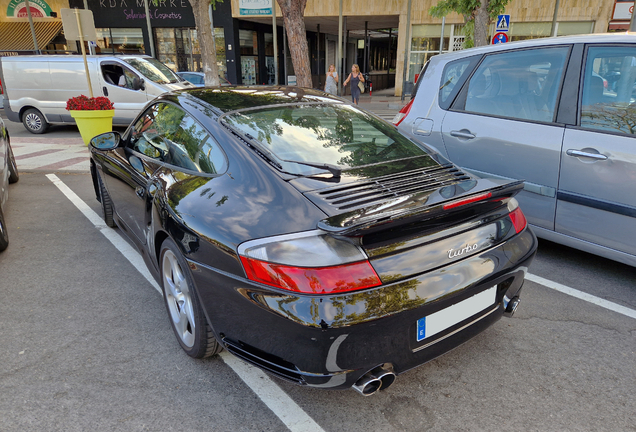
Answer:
(93, 123)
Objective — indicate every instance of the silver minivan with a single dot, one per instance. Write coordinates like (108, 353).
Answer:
(36, 88)
(559, 113)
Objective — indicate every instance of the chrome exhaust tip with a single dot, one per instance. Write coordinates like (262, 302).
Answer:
(513, 304)
(386, 376)
(367, 385)
(379, 378)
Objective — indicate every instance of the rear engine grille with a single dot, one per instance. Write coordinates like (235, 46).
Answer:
(395, 185)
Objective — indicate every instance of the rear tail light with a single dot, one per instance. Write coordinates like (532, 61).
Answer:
(402, 113)
(516, 216)
(308, 262)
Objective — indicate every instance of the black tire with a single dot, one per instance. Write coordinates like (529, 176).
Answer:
(14, 175)
(4, 235)
(107, 204)
(187, 319)
(34, 121)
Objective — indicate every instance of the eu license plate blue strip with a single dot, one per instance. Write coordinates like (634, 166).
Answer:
(445, 318)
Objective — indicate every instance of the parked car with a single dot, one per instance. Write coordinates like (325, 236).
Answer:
(36, 88)
(309, 237)
(198, 78)
(8, 174)
(558, 113)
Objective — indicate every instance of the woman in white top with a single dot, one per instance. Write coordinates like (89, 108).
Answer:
(332, 81)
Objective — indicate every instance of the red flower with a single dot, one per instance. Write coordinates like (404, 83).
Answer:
(84, 103)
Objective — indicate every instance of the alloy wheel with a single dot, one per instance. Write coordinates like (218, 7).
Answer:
(178, 299)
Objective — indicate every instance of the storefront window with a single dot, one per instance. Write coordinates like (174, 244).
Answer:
(120, 40)
(425, 43)
(533, 30)
(179, 49)
(249, 57)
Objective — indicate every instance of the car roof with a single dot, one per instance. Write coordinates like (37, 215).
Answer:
(228, 99)
(596, 38)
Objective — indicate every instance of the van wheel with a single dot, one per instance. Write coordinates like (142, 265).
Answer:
(34, 121)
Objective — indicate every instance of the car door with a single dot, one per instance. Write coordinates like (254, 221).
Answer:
(502, 124)
(165, 139)
(597, 195)
(128, 101)
(129, 172)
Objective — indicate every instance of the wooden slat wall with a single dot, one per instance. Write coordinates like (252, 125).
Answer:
(520, 10)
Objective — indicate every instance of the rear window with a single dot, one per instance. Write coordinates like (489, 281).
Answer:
(340, 135)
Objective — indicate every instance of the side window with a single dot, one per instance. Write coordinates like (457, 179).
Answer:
(168, 134)
(118, 76)
(608, 99)
(522, 85)
(453, 73)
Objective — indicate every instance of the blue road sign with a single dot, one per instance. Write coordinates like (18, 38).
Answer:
(500, 38)
(503, 23)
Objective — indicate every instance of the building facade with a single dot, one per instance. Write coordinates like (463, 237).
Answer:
(384, 38)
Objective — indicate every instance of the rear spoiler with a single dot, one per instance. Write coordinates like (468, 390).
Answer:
(447, 200)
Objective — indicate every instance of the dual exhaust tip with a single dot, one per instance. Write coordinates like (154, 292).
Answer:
(379, 378)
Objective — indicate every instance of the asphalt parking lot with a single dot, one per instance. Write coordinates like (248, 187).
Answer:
(87, 345)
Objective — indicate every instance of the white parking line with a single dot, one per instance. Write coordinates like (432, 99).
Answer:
(582, 295)
(271, 394)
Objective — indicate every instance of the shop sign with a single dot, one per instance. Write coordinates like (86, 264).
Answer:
(18, 9)
(623, 11)
(255, 7)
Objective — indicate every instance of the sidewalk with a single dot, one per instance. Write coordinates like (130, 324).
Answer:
(382, 103)
(40, 153)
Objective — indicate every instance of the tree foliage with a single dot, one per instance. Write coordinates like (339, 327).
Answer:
(470, 10)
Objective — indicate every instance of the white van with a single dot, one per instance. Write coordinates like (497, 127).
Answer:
(36, 88)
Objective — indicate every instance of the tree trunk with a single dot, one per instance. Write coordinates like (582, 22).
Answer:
(206, 41)
(482, 19)
(293, 14)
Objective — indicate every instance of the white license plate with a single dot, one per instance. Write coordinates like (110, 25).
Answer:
(445, 318)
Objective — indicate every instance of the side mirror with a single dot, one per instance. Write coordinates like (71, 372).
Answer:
(106, 141)
(138, 83)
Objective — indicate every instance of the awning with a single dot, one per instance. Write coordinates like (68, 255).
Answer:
(619, 25)
(16, 36)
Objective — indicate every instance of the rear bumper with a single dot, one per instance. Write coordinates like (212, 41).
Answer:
(11, 115)
(330, 341)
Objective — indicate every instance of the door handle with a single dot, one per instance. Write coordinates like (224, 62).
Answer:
(464, 133)
(105, 91)
(579, 153)
(140, 192)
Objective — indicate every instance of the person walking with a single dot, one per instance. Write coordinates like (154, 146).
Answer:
(355, 77)
(332, 81)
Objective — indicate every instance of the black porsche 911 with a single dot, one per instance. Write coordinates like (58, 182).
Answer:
(309, 237)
